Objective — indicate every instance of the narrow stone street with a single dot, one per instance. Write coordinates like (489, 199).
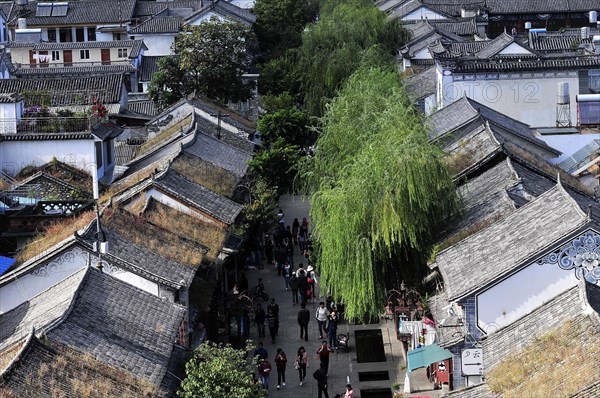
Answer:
(343, 367)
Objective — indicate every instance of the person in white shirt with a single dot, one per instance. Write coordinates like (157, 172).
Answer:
(322, 315)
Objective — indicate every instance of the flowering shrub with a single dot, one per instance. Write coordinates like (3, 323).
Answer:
(98, 108)
(36, 111)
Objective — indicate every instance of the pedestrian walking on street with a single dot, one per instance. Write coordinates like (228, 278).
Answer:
(332, 329)
(322, 315)
(280, 364)
(289, 251)
(260, 352)
(302, 285)
(259, 318)
(303, 319)
(311, 278)
(295, 230)
(294, 287)
(275, 308)
(288, 270)
(264, 371)
(280, 258)
(272, 322)
(301, 363)
(349, 392)
(321, 376)
(323, 353)
(269, 250)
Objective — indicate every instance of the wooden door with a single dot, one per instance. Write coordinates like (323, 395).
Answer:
(105, 56)
(32, 60)
(68, 57)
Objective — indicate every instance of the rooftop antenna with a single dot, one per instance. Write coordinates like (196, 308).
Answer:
(219, 116)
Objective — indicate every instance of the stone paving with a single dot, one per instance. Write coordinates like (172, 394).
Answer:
(343, 366)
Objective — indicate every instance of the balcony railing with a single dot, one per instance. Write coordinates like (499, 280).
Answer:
(57, 124)
(85, 64)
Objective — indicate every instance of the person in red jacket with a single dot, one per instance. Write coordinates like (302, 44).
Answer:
(280, 364)
(264, 370)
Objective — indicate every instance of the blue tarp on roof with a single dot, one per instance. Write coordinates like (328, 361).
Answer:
(6, 263)
(425, 356)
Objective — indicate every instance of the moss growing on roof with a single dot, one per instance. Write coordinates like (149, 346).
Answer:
(206, 174)
(557, 364)
(51, 369)
(54, 234)
(165, 135)
(207, 234)
(161, 241)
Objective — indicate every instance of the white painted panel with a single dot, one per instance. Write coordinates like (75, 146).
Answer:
(520, 294)
(531, 101)
(16, 155)
(422, 13)
(32, 284)
(158, 45)
(514, 48)
(132, 279)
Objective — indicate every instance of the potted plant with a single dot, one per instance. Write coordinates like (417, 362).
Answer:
(396, 390)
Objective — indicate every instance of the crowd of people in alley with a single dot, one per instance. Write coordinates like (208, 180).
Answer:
(300, 280)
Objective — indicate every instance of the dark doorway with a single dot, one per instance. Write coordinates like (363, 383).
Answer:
(369, 345)
(375, 375)
(376, 393)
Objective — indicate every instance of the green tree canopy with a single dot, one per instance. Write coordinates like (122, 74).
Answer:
(379, 189)
(291, 124)
(279, 24)
(211, 57)
(219, 372)
(333, 47)
(276, 165)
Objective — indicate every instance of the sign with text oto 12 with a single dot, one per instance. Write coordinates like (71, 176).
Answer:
(472, 362)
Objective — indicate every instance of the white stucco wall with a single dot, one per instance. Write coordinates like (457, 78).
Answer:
(520, 294)
(514, 48)
(158, 45)
(528, 97)
(169, 201)
(422, 13)
(132, 279)
(206, 17)
(15, 155)
(243, 3)
(25, 287)
(422, 54)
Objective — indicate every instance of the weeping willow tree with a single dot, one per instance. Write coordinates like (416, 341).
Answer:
(379, 189)
(331, 48)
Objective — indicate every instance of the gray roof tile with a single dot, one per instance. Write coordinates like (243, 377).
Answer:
(82, 12)
(121, 326)
(215, 205)
(591, 391)
(148, 67)
(158, 24)
(143, 107)
(140, 260)
(479, 391)
(485, 198)
(461, 27)
(219, 153)
(69, 90)
(40, 311)
(149, 8)
(422, 85)
(476, 261)
(227, 9)
(451, 117)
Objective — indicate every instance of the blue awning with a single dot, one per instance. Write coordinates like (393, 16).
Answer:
(6, 263)
(425, 356)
